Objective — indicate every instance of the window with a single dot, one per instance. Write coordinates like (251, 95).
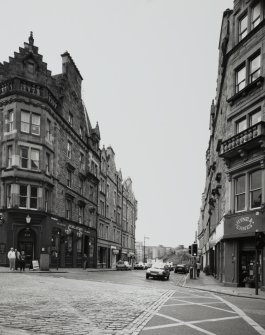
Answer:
(8, 196)
(25, 122)
(254, 68)
(255, 15)
(81, 132)
(30, 123)
(9, 156)
(34, 162)
(107, 211)
(82, 161)
(68, 209)
(115, 198)
(48, 163)
(240, 193)
(243, 27)
(91, 192)
(10, 121)
(241, 125)
(46, 200)
(107, 192)
(240, 79)
(35, 124)
(69, 149)
(81, 186)
(255, 189)
(28, 196)
(48, 130)
(70, 119)
(254, 118)
(102, 207)
(81, 214)
(69, 178)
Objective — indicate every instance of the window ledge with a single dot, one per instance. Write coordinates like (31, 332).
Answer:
(245, 91)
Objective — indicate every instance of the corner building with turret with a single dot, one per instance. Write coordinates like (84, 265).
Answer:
(233, 200)
(50, 160)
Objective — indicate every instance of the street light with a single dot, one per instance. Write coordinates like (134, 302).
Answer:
(145, 238)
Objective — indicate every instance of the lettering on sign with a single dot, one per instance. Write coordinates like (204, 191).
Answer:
(245, 223)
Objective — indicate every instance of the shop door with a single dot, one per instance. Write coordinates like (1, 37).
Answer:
(247, 267)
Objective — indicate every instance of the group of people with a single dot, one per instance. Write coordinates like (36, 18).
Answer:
(16, 259)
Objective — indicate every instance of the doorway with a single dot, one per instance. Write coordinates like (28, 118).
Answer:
(27, 242)
(247, 267)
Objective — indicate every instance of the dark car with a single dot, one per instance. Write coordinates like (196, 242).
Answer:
(181, 268)
(158, 271)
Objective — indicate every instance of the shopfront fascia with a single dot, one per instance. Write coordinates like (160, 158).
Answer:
(240, 247)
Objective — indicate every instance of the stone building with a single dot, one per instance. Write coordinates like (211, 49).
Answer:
(234, 195)
(50, 162)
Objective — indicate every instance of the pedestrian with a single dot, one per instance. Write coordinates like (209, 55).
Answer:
(22, 260)
(198, 267)
(12, 259)
(84, 261)
(17, 262)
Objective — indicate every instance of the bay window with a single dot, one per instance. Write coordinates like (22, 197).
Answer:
(29, 158)
(28, 196)
(30, 123)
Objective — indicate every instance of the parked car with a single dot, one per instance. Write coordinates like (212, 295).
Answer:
(158, 271)
(139, 266)
(123, 265)
(181, 268)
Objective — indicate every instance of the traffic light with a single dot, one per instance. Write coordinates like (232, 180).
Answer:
(194, 249)
(260, 239)
(190, 249)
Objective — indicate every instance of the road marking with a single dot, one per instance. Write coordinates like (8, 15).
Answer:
(205, 305)
(190, 324)
(250, 321)
(194, 303)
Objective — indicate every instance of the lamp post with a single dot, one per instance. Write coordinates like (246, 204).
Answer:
(145, 238)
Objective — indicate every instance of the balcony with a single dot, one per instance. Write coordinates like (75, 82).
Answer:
(244, 141)
(20, 86)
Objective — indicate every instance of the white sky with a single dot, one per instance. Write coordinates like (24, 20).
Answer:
(150, 70)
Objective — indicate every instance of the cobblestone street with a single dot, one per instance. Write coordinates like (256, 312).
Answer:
(55, 305)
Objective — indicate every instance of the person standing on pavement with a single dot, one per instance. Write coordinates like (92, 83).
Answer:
(198, 266)
(17, 262)
(84, 261)
(12, 259)
(22, 260)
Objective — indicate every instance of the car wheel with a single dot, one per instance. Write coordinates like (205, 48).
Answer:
(147, 276)
(167, 278)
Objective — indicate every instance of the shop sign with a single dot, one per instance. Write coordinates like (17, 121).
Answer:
(244, 223)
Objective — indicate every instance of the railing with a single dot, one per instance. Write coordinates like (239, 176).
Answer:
(243, 138)
(19, 85)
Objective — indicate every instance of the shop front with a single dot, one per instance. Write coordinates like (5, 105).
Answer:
(240, 249)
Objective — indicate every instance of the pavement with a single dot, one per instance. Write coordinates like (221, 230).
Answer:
(210, 284)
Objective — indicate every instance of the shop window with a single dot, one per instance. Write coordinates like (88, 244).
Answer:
(255, 189)
(240, 193)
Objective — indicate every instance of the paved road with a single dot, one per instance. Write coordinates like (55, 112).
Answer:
(118, 303)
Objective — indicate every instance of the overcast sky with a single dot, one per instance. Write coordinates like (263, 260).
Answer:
(149, 70)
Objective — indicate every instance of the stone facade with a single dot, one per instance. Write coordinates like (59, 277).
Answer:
(233, 198)
(50, 160)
